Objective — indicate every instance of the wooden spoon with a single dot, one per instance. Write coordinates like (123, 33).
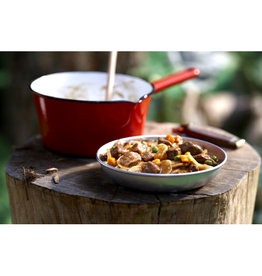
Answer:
(111, 74)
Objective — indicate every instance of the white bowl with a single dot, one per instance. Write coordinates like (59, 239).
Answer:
(151, 182)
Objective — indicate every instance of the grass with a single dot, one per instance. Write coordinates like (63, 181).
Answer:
(5, 151)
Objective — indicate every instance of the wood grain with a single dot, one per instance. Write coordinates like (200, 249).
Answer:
(85, 195)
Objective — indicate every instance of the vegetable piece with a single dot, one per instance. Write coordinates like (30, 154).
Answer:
(111, 161)
(137, 168)
(157, 156)
(157, 161)
(166, 167)
(170, 138)
(127, 146)
(177, 165)
(184, 158)
(162, 149)
(177, 158)
(214, 157)
(155, 149)
(178, 139)
(209, 162)
(193, 160)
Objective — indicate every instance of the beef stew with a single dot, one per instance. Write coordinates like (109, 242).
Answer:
(169, 155)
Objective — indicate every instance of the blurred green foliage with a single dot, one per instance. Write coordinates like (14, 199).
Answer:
(242, 76)
(4, 146)
(4, 201)
(164, 107)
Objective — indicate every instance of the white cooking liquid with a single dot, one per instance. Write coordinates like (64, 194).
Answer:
(90, 86)
(88, 91)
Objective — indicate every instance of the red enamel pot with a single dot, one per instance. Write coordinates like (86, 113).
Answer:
(75, 119)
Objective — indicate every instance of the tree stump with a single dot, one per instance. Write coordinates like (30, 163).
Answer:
(85, 195)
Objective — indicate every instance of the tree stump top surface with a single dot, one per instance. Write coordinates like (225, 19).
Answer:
(83, 177)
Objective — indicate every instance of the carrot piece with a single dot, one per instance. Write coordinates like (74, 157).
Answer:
(128, 146)
(111, 161)
(157, 156)
(184, 158)
(170, 138)
(157, 161)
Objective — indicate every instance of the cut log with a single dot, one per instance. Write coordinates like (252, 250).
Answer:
(84, 194)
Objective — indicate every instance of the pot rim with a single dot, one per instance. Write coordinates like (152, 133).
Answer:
(87, 101)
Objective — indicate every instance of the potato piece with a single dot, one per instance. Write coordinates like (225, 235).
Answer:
(166, 167)
(176, 165)
(193, 160)
(162, 149)
(137, 168)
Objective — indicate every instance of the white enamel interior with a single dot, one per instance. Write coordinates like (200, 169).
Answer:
(90, 86)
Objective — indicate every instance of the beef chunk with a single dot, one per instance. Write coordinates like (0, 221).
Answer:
(129, 159)
(201, 158)
(152, 143)
(139, 147)
(192, 148)
(103, 157)
(150, 167)
(147, 156)
(193, 167)
(117, 150)
(164, 141)
(126, 143)
(172, 152)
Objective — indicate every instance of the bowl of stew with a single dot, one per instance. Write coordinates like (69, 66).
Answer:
(161, 163)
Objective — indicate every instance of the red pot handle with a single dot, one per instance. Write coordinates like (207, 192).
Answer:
(175, 78)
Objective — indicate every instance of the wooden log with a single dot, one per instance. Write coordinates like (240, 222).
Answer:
(85, 195)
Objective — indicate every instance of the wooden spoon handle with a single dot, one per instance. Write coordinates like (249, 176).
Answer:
(111, 74)
(219, 139)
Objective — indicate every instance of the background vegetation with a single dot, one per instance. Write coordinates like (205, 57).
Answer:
(234, 77)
